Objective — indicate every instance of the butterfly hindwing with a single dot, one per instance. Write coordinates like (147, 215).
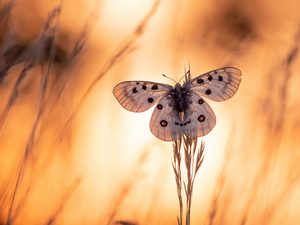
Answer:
(199, 117)
(138, 96)
(166, 124)
(163, 120)
(218, 85)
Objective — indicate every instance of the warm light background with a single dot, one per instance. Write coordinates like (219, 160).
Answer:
(108, 166)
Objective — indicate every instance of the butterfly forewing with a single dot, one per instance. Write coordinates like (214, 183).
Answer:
(164, 119)
(138, 96)
(217, 85)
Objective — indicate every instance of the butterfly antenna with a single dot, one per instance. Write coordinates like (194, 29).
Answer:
(187, 76)
(169, 78)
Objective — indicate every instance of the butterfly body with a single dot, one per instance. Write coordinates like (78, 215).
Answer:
(180, 110)
(179, 94)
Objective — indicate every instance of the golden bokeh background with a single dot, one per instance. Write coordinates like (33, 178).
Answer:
(70, 154)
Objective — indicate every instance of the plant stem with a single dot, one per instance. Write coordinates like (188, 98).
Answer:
(193, 160)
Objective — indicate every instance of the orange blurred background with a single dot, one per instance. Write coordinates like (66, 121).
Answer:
(70, 154)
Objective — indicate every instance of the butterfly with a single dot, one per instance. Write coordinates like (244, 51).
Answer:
(181, 109)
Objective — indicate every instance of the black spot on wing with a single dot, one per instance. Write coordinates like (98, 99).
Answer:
(201, 118)
(200, 81)
(159, 106)
(150, 100)
(163, 123)
(208, 92)
(154, 87)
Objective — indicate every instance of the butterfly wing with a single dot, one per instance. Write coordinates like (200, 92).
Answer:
(218, 85)
(166, 124)
(199, 117)
(138, 96)
(164, 119)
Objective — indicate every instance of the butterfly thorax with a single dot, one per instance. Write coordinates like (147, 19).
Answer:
(180, 98)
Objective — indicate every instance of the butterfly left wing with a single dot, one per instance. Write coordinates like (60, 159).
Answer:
(138, 96)
(218, 85)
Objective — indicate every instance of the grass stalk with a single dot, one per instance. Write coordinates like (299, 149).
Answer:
(193, 159)
(120, 53)
(32, 137)
(176, 164)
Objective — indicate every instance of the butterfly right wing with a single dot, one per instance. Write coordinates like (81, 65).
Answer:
(199, 119)
(164, 119)
(138, 96)
(217, 85)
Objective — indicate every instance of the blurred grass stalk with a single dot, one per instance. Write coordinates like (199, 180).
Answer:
(193, 158)
(45, 52)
